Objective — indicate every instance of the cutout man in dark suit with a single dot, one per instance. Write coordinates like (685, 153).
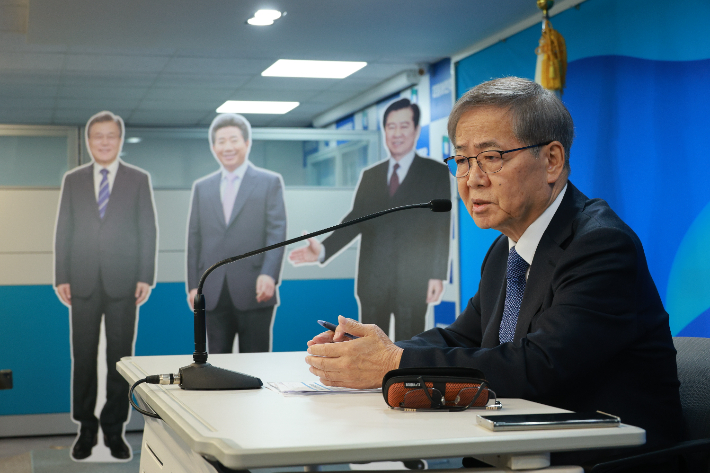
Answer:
(404, 256)
(235, 210)
(105, 252)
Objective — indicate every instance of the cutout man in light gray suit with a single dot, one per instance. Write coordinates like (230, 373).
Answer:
(235, 210)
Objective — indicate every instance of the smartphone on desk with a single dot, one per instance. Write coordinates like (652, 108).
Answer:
(563, 420)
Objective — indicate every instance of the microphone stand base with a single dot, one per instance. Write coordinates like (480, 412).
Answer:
(204, 376)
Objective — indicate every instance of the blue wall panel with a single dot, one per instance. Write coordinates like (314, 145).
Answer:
(35, 334)
(304, 303)
(35, 346)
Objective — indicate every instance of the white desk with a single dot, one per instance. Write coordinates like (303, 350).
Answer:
(261, 428)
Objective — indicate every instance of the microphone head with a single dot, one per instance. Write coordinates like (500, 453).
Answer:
(440, 205)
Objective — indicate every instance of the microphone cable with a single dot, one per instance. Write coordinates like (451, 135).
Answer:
(152, 379)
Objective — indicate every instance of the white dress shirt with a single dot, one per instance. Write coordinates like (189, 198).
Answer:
(112, 169)
(527, 244)
(404, 164)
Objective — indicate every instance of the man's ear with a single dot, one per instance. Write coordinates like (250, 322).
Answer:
(556, 159)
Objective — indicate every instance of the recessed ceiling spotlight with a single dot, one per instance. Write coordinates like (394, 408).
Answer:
(244, 106)
(265, 17)
(269, 14)
(313, 69)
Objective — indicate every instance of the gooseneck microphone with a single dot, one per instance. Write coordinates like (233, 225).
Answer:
(200, 375)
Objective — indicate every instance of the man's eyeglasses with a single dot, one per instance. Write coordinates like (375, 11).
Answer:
(490, 161)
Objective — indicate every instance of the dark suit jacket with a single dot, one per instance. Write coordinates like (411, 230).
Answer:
(404, 249)
(592, 333)
(121, 247)
(258, 220)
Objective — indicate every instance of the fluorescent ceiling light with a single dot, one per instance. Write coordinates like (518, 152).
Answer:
(260, 21)
(268, 14)
(313, 69)
(241, 106)
(133, 139)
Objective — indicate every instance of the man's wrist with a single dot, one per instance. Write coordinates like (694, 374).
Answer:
(395, 357)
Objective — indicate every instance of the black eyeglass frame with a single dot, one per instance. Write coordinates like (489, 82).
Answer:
(468, 159)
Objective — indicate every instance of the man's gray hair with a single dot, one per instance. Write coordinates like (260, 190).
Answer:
(538, 115)
(230, 119)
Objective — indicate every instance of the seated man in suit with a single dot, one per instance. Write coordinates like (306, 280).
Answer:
(566, 313)
(237, 209)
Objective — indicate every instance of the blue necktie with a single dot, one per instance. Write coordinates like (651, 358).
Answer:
(103, 193)
(514, 290)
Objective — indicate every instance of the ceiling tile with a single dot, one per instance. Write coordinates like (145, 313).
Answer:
(185, 103)
(204, 80)
(46, 78)
(80, 116)
(91, 49)
(290, 122)
(108, 79)
(18, 42)
(355, 86)
(258, 120)
(118, 63)
(19, 103)
(166, 117)
(280, 95)
(332, 98)
(99, 93)
(381, 71)
(20, 91)
(169, 63)
(107, 103)
(191, 94)
(289, 83)
(27, 61)
(25, 116)
(217, 65)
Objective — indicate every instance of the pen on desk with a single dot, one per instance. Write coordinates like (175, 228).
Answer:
(332, 328)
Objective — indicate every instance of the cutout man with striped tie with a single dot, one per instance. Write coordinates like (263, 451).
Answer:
(105, 252)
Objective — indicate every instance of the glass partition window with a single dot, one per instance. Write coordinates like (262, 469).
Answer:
(336, 163)
(175, 158)
(36, 156)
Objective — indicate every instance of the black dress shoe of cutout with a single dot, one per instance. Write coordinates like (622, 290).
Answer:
(86, 441)
(118, 447)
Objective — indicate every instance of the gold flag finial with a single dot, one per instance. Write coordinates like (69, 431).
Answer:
(545, 6)
(552, 53)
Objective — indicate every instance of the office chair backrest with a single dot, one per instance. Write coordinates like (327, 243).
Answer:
(693, 361)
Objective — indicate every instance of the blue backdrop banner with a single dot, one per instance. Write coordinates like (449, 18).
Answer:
(639, 103)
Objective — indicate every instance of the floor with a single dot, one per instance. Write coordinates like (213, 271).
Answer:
(51, 454)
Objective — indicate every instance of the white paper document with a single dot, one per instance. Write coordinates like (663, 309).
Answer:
(300, 388)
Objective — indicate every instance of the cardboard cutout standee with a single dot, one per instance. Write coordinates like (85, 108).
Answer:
(403, 257)
(237, 209)
(105, 247)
